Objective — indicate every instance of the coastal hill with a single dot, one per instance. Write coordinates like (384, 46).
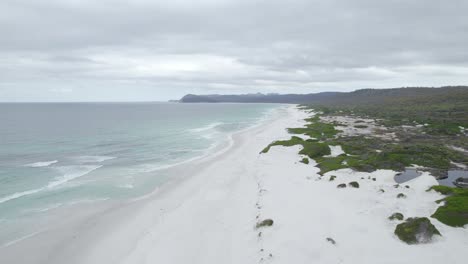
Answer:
(367, 96)
(258, 98)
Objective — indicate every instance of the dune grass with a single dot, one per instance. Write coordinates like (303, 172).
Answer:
(416, 230)
(310, 148)
(396, 216)
(316, 129)
(429, 150)
(454, 212)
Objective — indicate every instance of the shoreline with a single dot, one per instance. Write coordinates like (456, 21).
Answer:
(208, 212)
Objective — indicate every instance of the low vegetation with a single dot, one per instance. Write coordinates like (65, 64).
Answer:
(361, 155)
(416, 230)
(454, 212)
(396, 216)
(310, 148)
(331, 240)
(390, 130)
(315, 129)
(264, 223)
(287, 143)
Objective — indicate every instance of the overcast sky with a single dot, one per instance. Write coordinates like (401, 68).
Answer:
(111, 50)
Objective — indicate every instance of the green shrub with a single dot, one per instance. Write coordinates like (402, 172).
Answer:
(396, 216)
(287, 143)
(330, 163)
(331, 240)
(315, 149)
(401, 195)
(361, 126)
(416, 230)
(315, 129)
(264, 223)
(455, 210)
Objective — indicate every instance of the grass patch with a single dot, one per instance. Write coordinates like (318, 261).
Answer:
(331, 240)
(416, 230)
(361, 155)
(264, 223)
(401, 195)
(312, 149)
(396, 216)
(331, 164)
(287, 143)
(455, 211)
(445, 190)
(316, 129)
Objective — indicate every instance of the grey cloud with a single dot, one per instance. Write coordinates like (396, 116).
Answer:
(164, 49)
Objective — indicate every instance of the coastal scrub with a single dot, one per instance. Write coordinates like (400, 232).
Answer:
(311, 149)
(264, 223)
(454, 212)
(416, 230)
(396, 216)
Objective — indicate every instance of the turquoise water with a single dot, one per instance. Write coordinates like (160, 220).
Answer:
(57, 154)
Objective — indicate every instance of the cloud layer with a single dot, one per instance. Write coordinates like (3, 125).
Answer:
(83, 50)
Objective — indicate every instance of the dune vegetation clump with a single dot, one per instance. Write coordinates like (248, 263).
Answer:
(331, 240)
(264, 223)
(454, 212)
(416, 230)
(401, 195)
(310, 148)
(396, 216)
(389, 135)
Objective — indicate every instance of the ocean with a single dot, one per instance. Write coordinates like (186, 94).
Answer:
(60, 154)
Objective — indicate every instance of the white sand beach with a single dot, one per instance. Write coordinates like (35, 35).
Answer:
(208, 215)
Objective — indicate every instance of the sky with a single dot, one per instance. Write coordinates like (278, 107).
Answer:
(140, 50)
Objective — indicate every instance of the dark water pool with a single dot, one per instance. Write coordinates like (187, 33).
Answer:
(452, 176)
(411, 173)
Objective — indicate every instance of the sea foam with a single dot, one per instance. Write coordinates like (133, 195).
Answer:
(41, 164)
(205, 128)
(92, 159)
(69, 173)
